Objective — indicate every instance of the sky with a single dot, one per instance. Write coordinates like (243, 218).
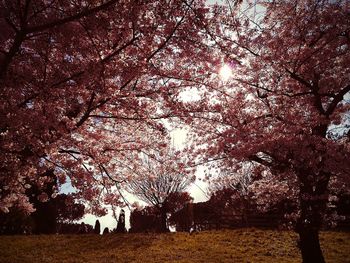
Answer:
(211, 2)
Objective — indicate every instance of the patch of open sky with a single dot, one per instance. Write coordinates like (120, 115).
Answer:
(30, 104)
(213, 2)
(67, 187)
(342, 129)
(190, 94)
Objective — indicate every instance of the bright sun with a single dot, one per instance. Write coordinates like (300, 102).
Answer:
(225, 72)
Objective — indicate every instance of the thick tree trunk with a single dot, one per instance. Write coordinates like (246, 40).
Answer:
(310, 245)
(313, 202)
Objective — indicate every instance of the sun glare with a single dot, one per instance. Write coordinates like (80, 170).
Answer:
(225, 72)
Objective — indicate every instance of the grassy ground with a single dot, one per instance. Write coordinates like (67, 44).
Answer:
(245, 245)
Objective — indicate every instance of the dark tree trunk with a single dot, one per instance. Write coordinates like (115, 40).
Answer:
(313, 201)
(163, 220)
(310, 245)
(245, 210)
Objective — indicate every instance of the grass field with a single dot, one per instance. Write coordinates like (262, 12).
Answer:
(244, 245)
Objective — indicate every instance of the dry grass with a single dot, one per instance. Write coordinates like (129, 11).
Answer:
(245, 245)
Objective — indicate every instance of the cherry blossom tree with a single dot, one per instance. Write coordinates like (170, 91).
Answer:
(287, 88)
(239, 177)
(158, 180)
(72, 71)
(148, 219)
(68, 210)
(239, 181)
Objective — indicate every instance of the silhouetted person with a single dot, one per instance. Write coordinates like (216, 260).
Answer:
(106, 231)
(121, 222)
(97, 229)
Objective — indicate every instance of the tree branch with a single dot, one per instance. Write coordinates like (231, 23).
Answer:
(77, 16)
